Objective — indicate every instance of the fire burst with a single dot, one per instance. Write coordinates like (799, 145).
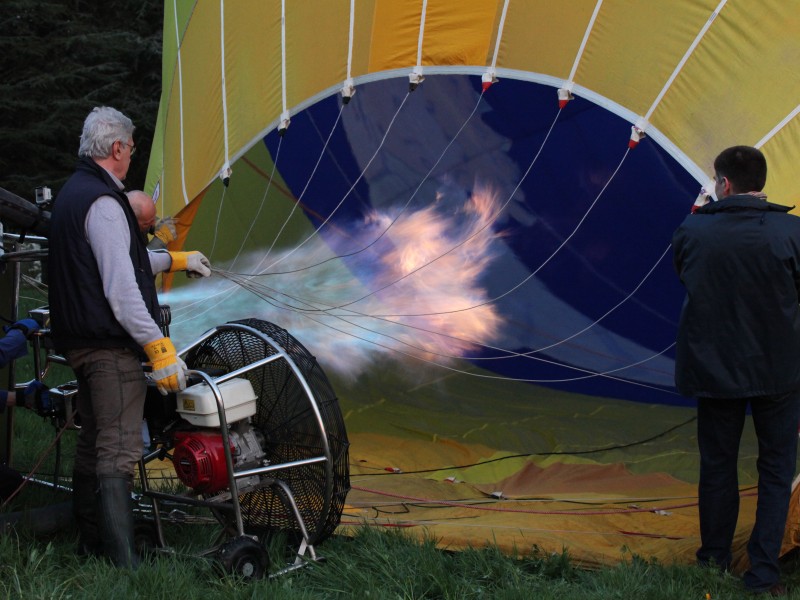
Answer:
(416, 291)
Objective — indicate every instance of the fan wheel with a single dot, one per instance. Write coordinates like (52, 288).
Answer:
(298, 413)
(243, 557)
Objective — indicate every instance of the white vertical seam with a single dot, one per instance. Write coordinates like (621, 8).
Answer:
(778, 127)
(350, 42)
(585, 39)
(224, 90)
(685, 58)
(283, 55)
(421, 32)
(500, 28)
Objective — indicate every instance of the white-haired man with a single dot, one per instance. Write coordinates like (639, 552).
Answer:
(105, 319)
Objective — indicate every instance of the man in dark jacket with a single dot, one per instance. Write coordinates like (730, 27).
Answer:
(105, 319)
(739, 346)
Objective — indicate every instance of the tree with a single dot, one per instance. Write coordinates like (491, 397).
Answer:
(58, 60)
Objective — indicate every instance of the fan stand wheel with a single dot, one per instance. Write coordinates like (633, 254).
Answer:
(145, 537)
(243, 557)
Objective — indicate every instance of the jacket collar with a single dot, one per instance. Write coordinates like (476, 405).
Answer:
(741, 202)
(88, 165)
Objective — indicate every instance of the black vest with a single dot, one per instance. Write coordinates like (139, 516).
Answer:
(80, 315)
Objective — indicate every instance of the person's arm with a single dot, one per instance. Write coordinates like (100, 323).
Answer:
(14, 345)
(193, 262)
(160, 261)
(110, 239)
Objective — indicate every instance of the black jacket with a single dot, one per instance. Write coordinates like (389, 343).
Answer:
(80, 315)
(739, 331)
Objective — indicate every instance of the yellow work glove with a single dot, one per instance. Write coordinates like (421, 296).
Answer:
(194, 263)
(165, 233)
(168, 368)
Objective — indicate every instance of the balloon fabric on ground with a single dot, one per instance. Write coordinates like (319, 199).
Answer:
(485, 273)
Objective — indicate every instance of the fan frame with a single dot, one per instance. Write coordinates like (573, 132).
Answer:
(232, 504)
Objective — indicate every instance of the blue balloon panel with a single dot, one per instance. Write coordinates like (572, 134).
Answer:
(581, 266)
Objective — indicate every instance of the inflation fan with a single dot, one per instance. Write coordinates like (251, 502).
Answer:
(258, 438)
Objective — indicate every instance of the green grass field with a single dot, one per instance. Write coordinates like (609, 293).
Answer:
(372, 564)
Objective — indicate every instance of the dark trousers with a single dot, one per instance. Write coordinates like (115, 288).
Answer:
(111, 392)
(719, 429)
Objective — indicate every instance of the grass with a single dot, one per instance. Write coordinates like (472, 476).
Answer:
(372, 563)
(380, 564)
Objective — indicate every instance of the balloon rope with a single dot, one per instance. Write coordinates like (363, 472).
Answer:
(526, 279)
(399, 214)
(263, 201)
(470, 237)
(226, 293)
(270, 296)
(216, 224)
(352, 187)
(308, 182)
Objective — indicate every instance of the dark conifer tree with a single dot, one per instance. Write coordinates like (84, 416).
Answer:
(59, 59)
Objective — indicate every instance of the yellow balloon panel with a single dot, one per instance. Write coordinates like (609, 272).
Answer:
(252, 80)
(736, 87)
(544, 37)
(450, 37)
(316, 57)
(634, 47)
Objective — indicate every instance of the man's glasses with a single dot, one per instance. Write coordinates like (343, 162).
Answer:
(131, 146)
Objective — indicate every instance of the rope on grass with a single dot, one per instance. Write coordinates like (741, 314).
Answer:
(590, 513)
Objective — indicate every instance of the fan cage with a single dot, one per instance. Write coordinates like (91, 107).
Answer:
(286, 417)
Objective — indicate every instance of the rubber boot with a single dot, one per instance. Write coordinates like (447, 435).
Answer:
(116, 513)
(85, 511)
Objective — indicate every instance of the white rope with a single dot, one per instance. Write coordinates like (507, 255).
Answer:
(226, 293)
(299, 200)
(399, 213)
(589, 374)
(317, 306)
(261, 204)
(474, 234)
(352, 187)
(216, 224)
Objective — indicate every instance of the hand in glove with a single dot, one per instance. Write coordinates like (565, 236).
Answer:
(165, 232)
(27, 326)
(36, 396)
(168, 368)
(194, 263)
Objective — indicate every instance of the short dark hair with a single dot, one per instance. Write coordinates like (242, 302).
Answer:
(744, 166)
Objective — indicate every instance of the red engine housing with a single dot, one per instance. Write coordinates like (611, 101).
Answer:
(199, 460)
